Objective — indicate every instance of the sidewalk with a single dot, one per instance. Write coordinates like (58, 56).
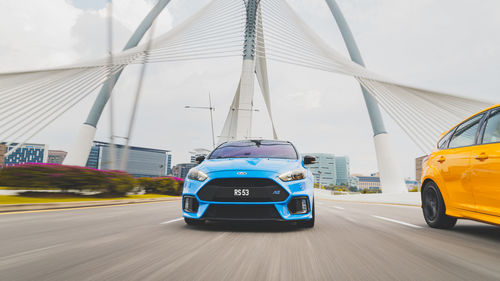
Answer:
(410, 198)
(6, 208)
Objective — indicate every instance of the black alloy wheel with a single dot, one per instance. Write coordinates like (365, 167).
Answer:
(434, 208)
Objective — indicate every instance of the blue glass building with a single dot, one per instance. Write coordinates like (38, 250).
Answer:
(342, 170)
(324, 168)
(26, 153)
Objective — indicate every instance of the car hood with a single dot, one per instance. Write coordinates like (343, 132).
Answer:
(249, 164)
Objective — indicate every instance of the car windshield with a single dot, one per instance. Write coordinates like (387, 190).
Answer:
(255, 149)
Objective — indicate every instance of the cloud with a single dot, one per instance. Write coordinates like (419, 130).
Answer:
(35, 34)
(449, 45)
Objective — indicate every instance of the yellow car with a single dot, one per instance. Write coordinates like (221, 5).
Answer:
(461, 177)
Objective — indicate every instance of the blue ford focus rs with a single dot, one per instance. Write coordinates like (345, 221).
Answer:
(250, 180)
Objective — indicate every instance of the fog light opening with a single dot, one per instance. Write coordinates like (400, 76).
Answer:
(299, 205)
(303, 204)
(190, 204)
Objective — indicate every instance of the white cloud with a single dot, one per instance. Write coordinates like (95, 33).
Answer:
(35, 34)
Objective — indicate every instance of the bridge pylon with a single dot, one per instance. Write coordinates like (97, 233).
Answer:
(238, 124)
(391, 178)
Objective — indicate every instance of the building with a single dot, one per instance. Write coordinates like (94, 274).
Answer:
(181, 170)
(56, 156)
(198, 152)
(418, 167)
(342, 170)
(169, 164)
(369, 182)
(354, 181)
(141, 162)
(3, 149)
(26, 153)
(411, 184)
(324, 168)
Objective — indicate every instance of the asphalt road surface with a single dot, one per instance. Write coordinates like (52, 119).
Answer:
(351, 241)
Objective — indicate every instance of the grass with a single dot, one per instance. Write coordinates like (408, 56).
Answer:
(14, 199)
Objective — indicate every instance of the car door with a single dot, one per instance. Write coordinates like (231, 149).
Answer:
(455, 164)
(485, 170)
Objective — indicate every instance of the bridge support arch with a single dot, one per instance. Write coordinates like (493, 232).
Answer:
(80, 150)
(391, 177)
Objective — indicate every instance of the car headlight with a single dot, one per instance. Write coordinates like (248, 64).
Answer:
(293, 175)
(196, 175)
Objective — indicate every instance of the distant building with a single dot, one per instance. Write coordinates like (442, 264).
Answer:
(56, 156)
(342, 170)
(141, 162)
(411, 184)
(3, 149)
(324, 168)
(26, 153)
(370, 182)
(418, 168)
(354, 182)
(169, 164)
(198, 152)
(181, 170)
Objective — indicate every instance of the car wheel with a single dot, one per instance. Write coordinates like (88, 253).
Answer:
(309, 223)
(189, 221)
(434, 208)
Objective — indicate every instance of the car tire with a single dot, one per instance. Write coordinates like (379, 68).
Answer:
(189, 221)
(434, 208)
(309, 223)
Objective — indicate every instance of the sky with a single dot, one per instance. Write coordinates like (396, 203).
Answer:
(447, 45)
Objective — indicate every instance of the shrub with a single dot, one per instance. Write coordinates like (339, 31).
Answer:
(162, 185)
(414, 189)
(66, 178)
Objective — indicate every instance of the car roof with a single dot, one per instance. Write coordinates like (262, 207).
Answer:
(255, 140)
(477, 113)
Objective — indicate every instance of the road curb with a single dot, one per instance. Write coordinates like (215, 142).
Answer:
(9, 208)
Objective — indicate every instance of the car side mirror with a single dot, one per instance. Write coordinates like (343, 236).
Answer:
(200, 159)
(309, 160)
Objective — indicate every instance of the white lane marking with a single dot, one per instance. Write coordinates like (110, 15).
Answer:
(30, 251)
(350, 219)
(340, 208)
(396, 221)
(170, 221)
(398, 206)
(342, 216)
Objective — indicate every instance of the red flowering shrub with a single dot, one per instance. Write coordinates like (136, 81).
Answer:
(66, 177)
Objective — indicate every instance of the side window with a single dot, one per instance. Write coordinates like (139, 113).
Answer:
(443, 141)
(465, 133)
(492, 129)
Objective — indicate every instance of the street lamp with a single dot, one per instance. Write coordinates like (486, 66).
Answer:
(211, 109)
(159, 173)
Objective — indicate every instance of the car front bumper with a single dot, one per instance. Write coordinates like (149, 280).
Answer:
(255, 211)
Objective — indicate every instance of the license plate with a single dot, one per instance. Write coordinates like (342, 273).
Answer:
(241, 192)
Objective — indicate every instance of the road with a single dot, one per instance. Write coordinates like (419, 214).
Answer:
(351, 241)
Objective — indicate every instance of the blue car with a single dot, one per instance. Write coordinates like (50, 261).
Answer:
(250, 180)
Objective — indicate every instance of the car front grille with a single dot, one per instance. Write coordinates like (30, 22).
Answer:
(241, 212)
(243, 190)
